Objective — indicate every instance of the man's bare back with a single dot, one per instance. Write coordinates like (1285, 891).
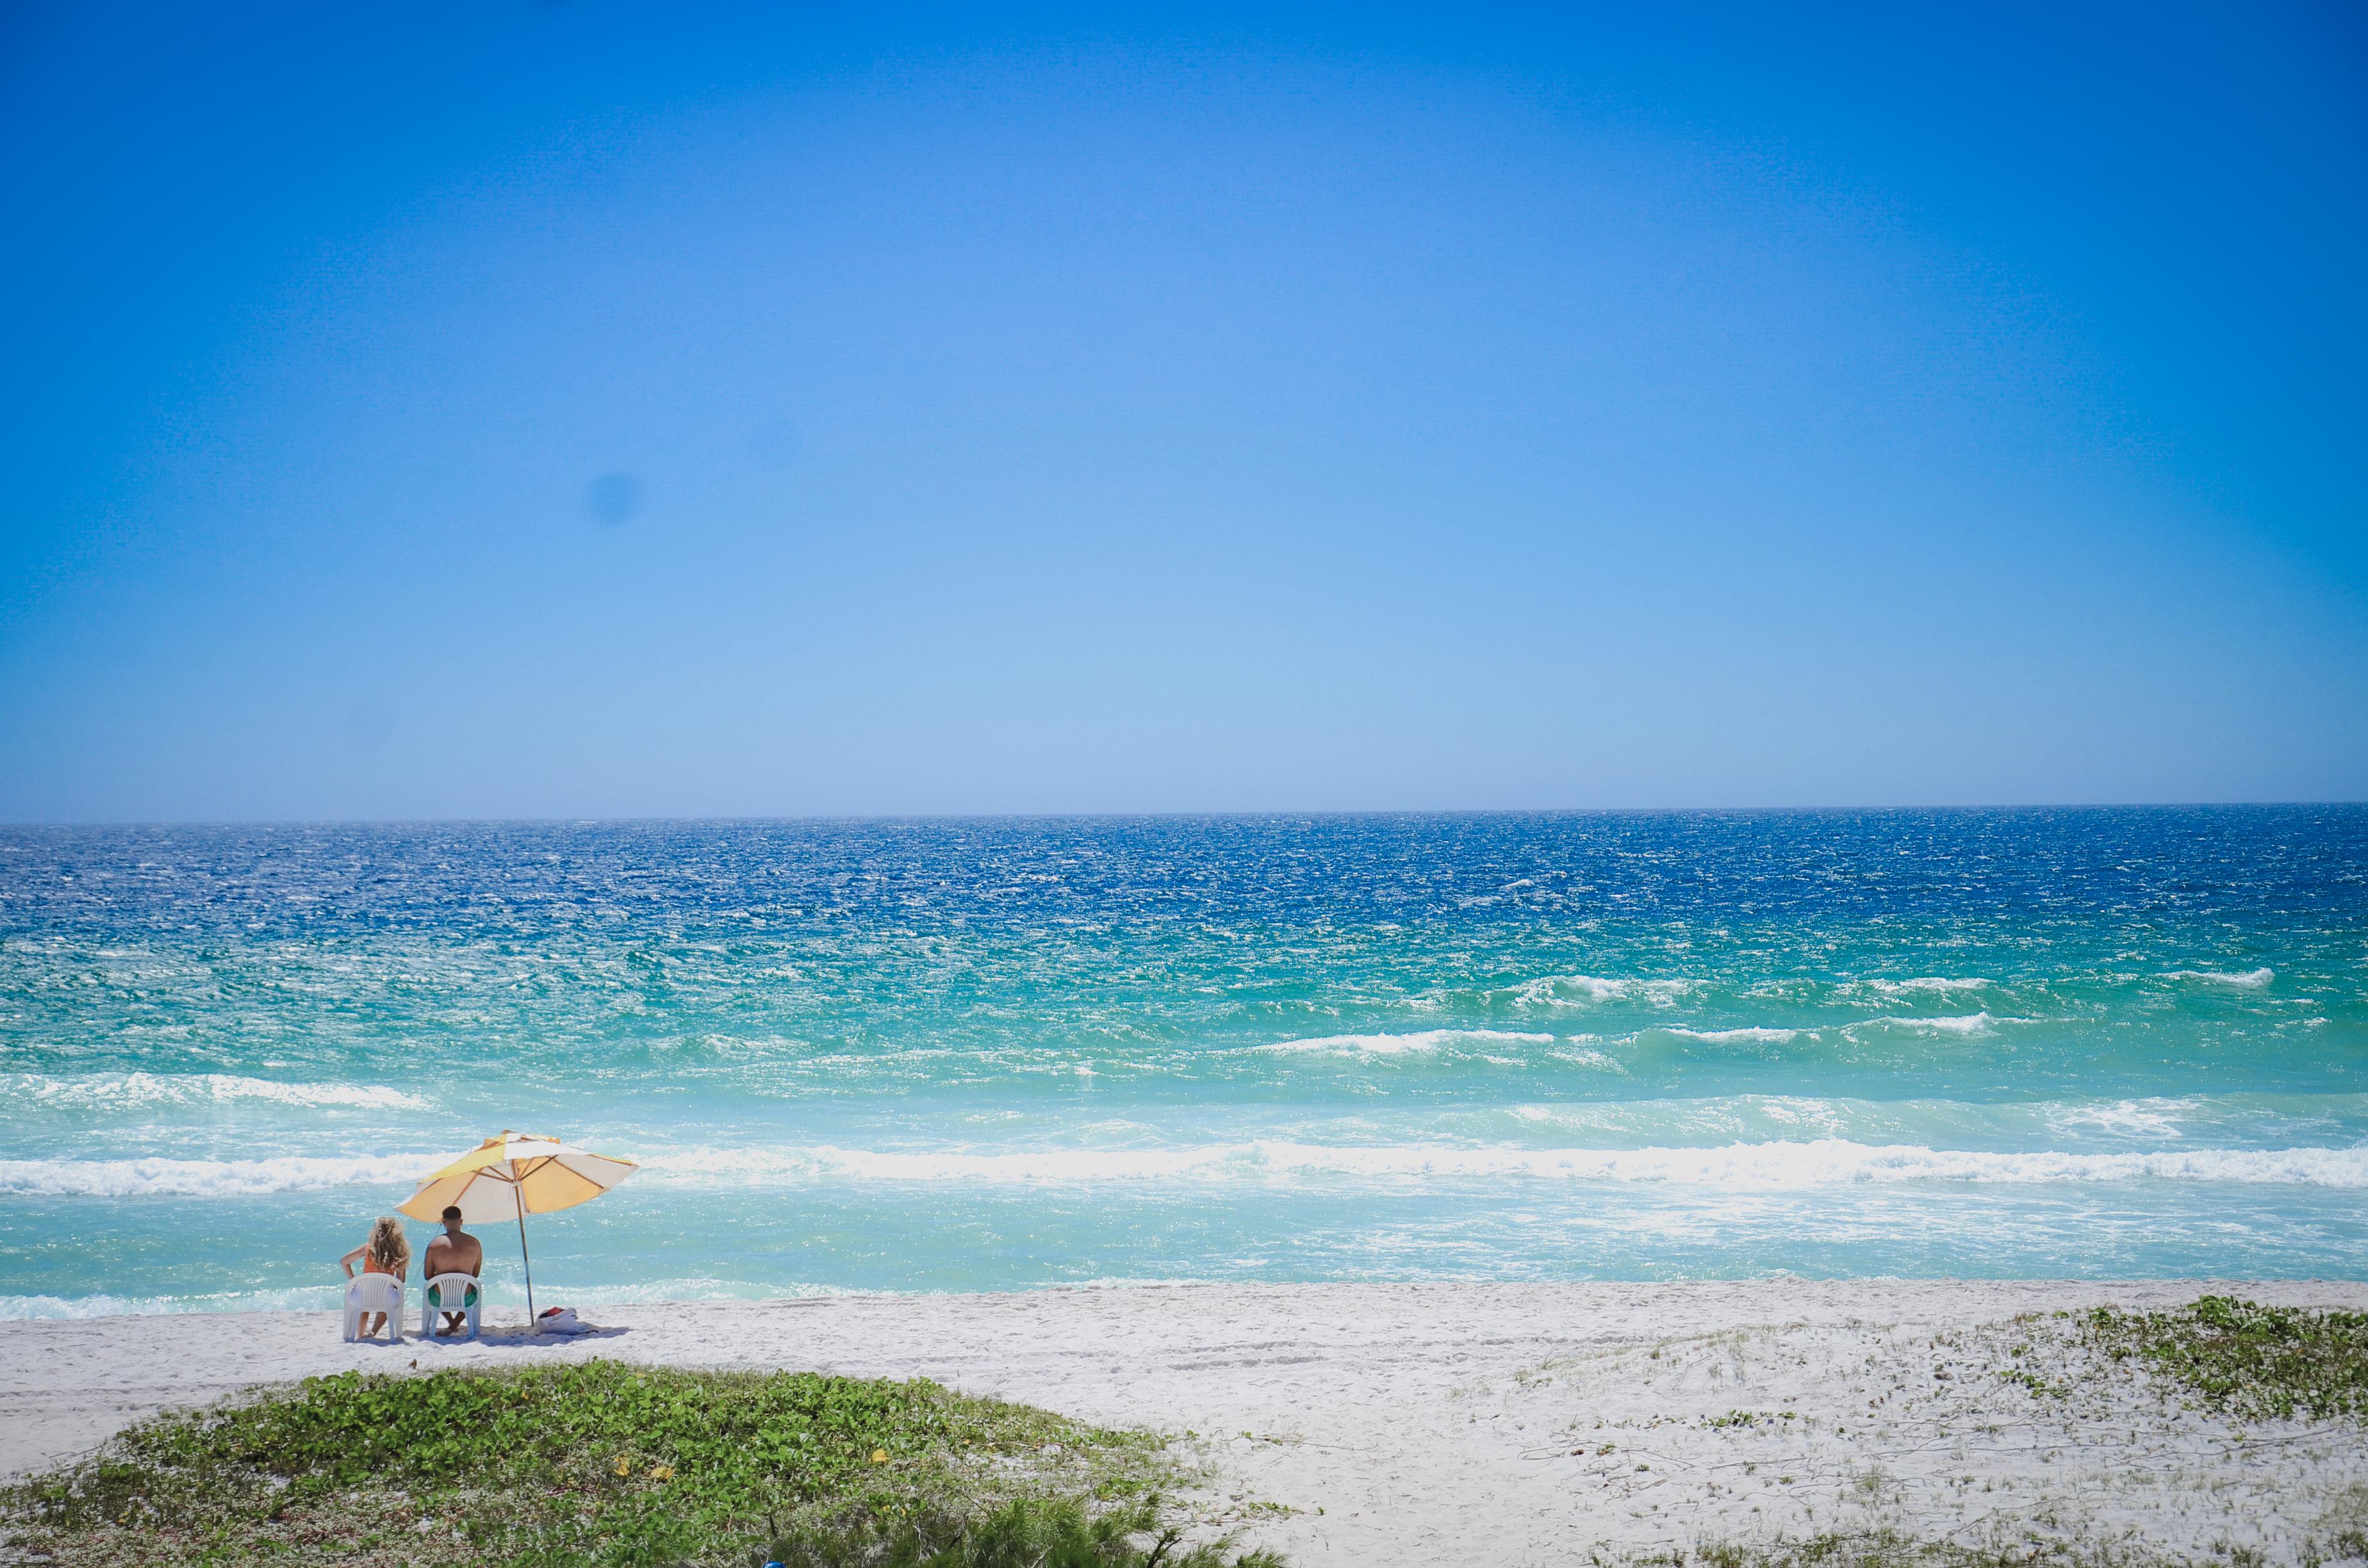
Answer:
(454, 1252)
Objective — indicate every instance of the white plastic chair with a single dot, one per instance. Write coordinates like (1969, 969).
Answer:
(374, 1293)
(453, 1287)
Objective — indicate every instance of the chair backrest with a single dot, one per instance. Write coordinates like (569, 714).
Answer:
(375, 1294)
(455, 1289)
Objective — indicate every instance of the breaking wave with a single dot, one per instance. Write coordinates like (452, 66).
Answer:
(1822, 1163)
(2251, 980)
(1962, 1023)
(108, 1090)
(1580, 990)
(1819, 1163)
(103, 1304)
(209, 1178)
(1404, 1044)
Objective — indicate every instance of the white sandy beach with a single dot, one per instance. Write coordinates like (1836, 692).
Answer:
(1445, 1424)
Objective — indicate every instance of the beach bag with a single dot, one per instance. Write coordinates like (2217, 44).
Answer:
(561, 1320)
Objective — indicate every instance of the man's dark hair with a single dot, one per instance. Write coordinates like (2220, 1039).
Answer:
(452, 1214)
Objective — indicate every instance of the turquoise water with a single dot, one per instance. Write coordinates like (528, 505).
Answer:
(993, 1054)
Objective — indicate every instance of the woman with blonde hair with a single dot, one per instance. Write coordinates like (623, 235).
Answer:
(386, 1251)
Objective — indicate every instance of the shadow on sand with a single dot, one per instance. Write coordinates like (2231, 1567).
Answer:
(520, 1339)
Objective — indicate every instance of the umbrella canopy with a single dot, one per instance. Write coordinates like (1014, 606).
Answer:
(510, 1176)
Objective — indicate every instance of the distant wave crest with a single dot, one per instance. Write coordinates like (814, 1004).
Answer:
(1580, 990)
(1961, 1023)
(110, 1090)
(1753, 1035)
(1404, 1044)
(2251, 980)
(208, 1178)
(1822, 1163)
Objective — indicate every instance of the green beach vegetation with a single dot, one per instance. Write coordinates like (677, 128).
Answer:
(2254, 1362)
(602, 1464)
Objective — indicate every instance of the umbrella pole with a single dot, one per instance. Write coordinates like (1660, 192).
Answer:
(529, 1267)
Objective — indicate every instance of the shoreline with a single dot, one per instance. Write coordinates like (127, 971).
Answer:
(1427, 1423)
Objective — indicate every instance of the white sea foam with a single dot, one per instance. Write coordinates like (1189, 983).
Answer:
(129, 1090)
(1928, 983)
(2251, 980)
(1818, 1163)
(1750, 1035)
(1810, 1164)
(1404, 1044)
(16, 1309)
(208, 1178)
(103, 1304)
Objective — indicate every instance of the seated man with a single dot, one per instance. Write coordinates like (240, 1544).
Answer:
(454, 1252)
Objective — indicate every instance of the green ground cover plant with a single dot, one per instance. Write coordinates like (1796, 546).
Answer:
(2251, 1361)
(601, 1464)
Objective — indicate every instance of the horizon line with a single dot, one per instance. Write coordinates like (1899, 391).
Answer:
(1256, 814)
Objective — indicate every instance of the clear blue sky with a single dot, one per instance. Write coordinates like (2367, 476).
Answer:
(515, 410)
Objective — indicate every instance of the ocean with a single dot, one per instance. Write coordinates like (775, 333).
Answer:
(1000, 1054)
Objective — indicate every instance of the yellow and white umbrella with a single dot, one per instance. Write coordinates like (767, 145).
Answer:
(512, 1175)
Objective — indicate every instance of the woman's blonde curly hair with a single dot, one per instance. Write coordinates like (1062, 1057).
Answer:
(388, 1247)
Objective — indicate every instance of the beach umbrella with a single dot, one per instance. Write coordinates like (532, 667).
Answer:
(512, 1175)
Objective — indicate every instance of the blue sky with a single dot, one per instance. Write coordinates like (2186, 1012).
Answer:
(567, 410)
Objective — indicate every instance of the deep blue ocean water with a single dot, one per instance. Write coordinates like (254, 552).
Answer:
(996, 1054)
